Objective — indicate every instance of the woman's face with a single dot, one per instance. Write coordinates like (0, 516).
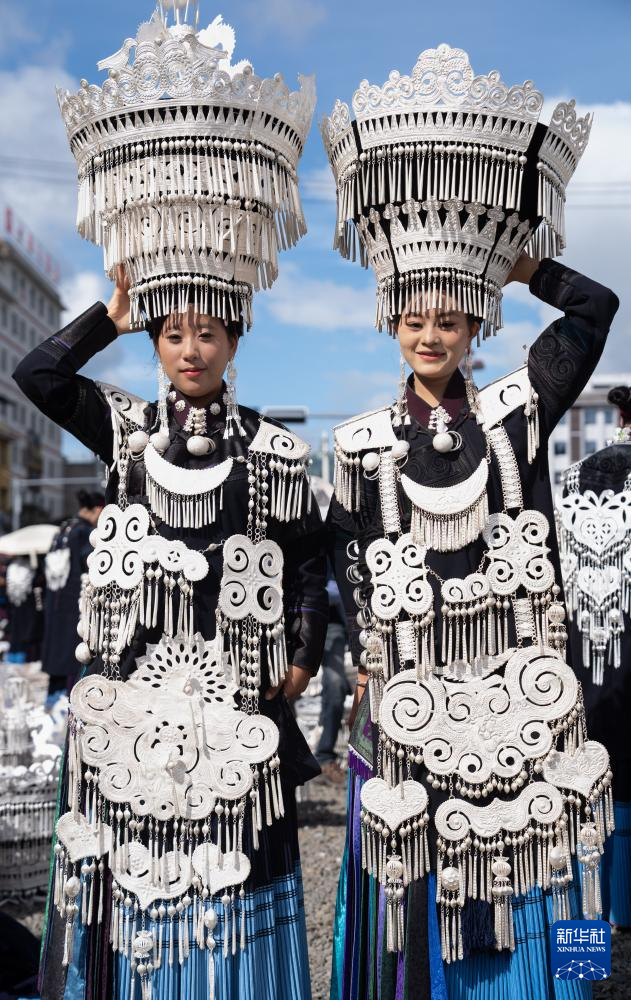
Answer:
(435, 342)
(194, 350)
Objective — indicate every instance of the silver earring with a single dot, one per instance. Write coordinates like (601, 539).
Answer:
(233, 420)
(401, 405)
(472, 392)
(160, 439)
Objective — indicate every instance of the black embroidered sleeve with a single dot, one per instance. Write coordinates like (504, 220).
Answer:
(564, 357)
(48, 377)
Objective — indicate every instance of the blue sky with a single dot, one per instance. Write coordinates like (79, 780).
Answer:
(313, 341)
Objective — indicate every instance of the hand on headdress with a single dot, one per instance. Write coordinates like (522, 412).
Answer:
(523, 270)
(119, 305)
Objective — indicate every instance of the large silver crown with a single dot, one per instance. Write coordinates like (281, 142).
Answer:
(187, 167)
(445, 177)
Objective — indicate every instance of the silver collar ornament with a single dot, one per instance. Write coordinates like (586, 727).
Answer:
(187, 167)
(443, 178)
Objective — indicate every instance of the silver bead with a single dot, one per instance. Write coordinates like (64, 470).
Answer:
(370, 461)
(138, 442)
(400, 449)
(82, 653)
(443, 442)
(159, 441)
(198, 445)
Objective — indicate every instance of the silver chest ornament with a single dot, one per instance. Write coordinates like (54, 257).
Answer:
(174, 769)
(491, 711)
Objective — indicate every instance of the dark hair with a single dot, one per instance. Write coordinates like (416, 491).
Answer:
(234, 328)
(620, 396)
(90, 500)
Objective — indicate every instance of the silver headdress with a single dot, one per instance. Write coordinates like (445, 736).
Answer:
(446, 177)
(187, 167)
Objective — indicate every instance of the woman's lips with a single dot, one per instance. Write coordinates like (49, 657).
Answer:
(193, 372)
(428, 356)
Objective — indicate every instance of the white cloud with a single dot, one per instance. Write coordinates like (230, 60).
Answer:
(362, 391)
(294, 19)
(15, 29)
(31, 128)
(506, 351)
(80, 291)
(320, 304)
(318, 184)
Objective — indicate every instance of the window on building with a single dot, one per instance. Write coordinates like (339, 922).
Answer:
(563, 420)
(589, 415)
(14, 324)
(558, 478)
(590, 447)
(609, 416)
(560, 448)
(4, 314)
(3, 359)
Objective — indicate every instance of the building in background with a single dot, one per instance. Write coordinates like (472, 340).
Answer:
(90, 475)
(585, 428)
(30, 311)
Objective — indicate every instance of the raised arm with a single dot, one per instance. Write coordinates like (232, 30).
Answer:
(564, 356)
(48, 375)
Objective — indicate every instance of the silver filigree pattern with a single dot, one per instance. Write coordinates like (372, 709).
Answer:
(485, 727)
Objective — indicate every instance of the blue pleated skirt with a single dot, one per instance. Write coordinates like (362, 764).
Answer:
(616, 869)
(274, 965)
(524, 974)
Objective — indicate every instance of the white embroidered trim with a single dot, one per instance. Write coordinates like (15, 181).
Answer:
(125, 403)
(368, 430)
(272, 440)
(388, 494)
(499, 399)
(509, 470)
